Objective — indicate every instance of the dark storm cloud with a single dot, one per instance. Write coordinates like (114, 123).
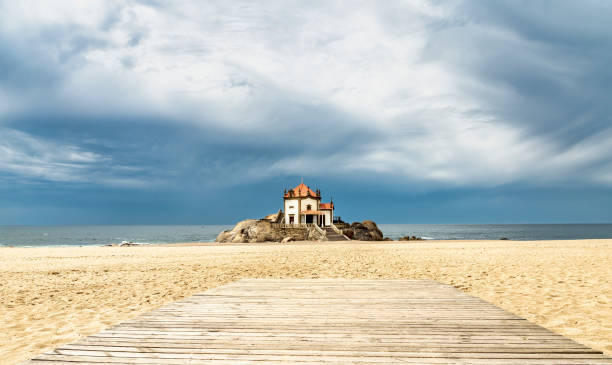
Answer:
(147, 150)
(552, 57)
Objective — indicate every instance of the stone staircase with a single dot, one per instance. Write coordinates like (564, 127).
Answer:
(333, 235)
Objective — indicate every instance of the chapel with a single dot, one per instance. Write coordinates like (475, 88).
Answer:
(303, 205)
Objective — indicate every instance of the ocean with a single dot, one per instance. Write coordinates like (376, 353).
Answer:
(102, 235)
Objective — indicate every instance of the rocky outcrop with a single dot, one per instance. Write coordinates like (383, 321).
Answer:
(250, 230)
(263, 230)
(363, 231)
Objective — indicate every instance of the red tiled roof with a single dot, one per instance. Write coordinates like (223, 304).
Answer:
(301, 191)
(327, 206)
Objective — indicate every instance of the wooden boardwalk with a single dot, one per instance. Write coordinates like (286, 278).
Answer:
(326, 321)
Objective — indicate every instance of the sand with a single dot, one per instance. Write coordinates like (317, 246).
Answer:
(52, 296)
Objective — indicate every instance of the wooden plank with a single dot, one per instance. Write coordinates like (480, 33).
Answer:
(331, 321)
(320, 349)
(268, 344)
(374, 356)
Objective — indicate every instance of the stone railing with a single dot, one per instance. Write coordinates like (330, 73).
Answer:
(339, 231)
(293, 225)
(322, 232)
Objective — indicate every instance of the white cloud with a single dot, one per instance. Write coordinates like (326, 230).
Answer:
(389, 69)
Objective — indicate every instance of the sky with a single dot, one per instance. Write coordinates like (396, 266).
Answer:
(203, 112)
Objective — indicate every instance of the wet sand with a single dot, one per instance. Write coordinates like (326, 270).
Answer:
(51, 296)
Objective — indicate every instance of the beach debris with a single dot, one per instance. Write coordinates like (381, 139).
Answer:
(128, 244)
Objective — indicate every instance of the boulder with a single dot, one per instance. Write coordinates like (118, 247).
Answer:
(348, 232)
(375, 233)
(276, 217)
(364, 231)
(250, 230)
(410, 238)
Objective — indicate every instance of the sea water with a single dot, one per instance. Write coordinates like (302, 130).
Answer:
(103, 235)
(519, 232)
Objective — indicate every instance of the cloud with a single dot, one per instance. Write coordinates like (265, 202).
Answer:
(27, 159)
(24, 155)
(428, 93)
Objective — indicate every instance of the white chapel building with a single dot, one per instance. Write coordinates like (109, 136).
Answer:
(303, 205)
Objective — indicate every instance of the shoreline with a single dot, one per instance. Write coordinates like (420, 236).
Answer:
(213, 243)
(54, 295)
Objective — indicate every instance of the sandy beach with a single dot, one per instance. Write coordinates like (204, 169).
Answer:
(51, 296)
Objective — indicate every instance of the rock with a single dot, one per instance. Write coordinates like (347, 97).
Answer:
(410, 238)
(238, 238)
(504, 238)
(253, 230)
(276, 217)
(375, 233)
(364, 231)
(348, 232)
(250, 230)
(387, 239)
(263, 230)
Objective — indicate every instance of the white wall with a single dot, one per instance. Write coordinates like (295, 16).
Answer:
(313, 202)
(328, 217)
(289, 203)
